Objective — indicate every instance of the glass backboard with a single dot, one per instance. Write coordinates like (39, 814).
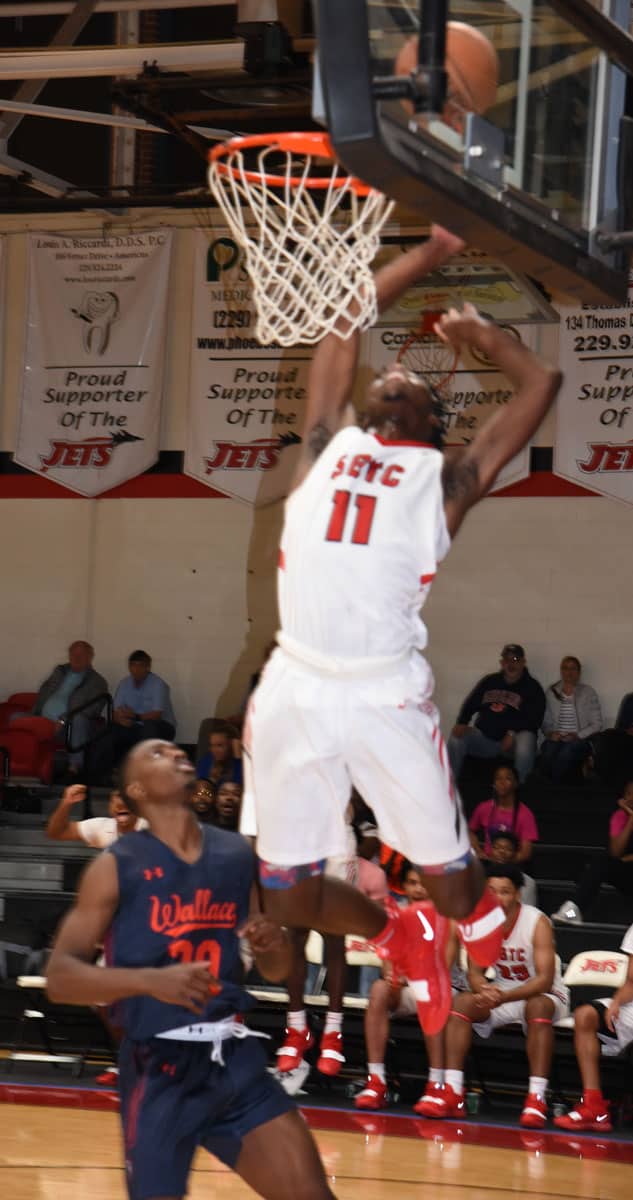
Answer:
(558, 120)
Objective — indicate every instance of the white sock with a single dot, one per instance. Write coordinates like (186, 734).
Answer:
(377, 1069)
(537, 1086)
(333, 1022)
(297, 1020)
(436, 1075)
(455, 1079)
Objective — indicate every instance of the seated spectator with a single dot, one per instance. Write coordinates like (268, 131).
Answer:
(614, 867)
(394, 997)
(141, 709)
(228, 800)
(613, 751)
(203, 801)
(504, 813)
(503, 849)
(605, 1024)
(221, 763)
(98, 832)
(528, 989)
(508, 707)
(572, 718)
(70, 687)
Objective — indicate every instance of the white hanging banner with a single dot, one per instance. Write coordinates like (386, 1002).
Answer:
(594, 418)
(246, 401)
(93, 369)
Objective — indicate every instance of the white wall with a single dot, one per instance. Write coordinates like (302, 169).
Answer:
(192, 580)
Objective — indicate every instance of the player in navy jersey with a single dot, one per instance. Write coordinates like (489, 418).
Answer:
(171, 903)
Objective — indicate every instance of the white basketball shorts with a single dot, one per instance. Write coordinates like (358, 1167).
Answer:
(514, 1013)
(311, 735)
(623, 1024)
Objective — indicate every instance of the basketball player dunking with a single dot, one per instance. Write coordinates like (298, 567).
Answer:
(171, 902)
(345, 700)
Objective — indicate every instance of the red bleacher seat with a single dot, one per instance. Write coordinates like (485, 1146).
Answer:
(31, 744)
(19, 702)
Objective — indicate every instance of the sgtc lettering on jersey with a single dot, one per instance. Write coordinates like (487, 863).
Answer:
(363, 466)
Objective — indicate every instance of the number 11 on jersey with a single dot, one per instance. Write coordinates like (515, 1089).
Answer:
(363, 518)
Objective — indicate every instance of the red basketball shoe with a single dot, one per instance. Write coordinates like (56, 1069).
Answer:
(331, 1057)
(373, 1095)
(534, 1115)
(586, 1116)
(482, 931)
(433, 1102)
(296, 1043)
(425, 963)
(455, 1103)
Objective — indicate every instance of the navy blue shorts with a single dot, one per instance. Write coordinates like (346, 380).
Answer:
(174, 1099)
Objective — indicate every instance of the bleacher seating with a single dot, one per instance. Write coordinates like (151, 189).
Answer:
(38, 877)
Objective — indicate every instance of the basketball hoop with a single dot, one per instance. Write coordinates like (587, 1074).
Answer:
(309, 232)
(426, 354)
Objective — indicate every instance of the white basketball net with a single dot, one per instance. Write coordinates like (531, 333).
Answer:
(308, 252)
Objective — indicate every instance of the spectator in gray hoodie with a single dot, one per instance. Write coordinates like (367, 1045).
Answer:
(572, 718)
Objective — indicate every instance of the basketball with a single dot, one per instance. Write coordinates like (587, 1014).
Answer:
(472, 66)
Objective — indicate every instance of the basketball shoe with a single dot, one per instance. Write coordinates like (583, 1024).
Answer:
(534, 1115)
(373, 1095)
(455, 1103)
(433, 1102)
(331, 1057)
(425, 964)
(482, 931)
(587, 1116)
(296, 1043)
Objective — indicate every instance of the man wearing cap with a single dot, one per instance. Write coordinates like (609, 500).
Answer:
(508, 707)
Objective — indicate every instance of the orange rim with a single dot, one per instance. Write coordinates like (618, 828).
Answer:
(314, 145)
(418, 338)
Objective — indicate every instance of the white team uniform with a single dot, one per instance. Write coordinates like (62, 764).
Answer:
(514, 967)
(346, 698)
(623, 1023)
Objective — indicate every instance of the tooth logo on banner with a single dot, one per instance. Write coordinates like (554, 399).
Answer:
(92, 452)
(98, 311)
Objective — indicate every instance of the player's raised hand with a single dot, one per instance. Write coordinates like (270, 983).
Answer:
(73, 794)
(451, 243)
(185, 984)
(458, 328)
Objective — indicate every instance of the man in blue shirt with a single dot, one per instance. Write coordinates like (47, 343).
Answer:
(141, 709)
(142, 699)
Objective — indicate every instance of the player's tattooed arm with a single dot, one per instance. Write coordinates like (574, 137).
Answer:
(317, 438)
(329, 406)
(535, 386)
(461, 487)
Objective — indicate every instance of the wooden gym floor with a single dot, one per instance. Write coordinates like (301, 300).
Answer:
(50, 1151)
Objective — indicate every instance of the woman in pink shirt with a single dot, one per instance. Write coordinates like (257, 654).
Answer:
(615, 868)
(504, 813)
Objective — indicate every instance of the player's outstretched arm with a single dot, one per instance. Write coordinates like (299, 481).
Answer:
(335, 361)
(469, 474)
(73, 979)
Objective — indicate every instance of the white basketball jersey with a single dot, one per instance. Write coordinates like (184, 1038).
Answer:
(362, 539)
(515, 964)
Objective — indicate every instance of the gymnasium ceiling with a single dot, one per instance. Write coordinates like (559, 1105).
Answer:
(186, 68)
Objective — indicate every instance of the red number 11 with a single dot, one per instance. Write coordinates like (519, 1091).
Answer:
(365, 508)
